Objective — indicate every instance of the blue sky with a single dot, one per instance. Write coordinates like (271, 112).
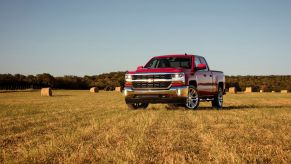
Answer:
(239, 37)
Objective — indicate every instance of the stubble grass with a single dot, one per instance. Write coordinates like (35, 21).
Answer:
(78, 127)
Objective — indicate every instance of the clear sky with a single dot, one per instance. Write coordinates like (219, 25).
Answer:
(67, 37)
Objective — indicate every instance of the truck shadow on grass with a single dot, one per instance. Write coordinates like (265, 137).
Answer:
(62, 95)
(231, 107)
(241, 107)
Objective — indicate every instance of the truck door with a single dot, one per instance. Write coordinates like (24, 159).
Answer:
(208, 77)
(204, 78)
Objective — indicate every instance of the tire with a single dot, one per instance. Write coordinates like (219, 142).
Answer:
(138, 106)
(192, 101)
(218, 99)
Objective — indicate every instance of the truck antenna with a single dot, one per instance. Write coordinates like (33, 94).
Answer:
(186, 54)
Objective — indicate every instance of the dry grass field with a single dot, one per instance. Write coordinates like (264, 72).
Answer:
(81, 127)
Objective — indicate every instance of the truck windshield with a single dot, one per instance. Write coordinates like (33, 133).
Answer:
(169, 63)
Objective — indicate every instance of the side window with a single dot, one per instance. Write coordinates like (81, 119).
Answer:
(197, 61)
(204, 62)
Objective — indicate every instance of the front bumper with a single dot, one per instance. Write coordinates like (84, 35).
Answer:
(177, 95)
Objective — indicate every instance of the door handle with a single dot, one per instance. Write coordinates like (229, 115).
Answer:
(210, 75)
(204, 75)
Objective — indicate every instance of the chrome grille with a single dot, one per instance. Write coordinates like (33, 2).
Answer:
(158, 76)
(156, 85)
(154, 81)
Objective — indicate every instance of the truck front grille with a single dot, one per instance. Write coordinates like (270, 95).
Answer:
(155, 85)
(158, 76)
(154, 81)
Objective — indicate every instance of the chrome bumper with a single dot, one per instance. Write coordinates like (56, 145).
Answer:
(171, 95)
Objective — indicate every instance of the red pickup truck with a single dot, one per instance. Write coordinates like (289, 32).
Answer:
(176, 80)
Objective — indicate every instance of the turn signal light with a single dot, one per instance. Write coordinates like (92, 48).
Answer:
(128, 84)
(178, 83)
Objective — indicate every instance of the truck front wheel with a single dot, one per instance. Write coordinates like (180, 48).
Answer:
(192, 101)
(218, 99)
(138, 105)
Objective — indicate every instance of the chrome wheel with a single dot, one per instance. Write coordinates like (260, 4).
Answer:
(220, 97)
(192, 101)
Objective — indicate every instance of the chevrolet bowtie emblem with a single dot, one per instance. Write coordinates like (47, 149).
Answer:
(150, 80)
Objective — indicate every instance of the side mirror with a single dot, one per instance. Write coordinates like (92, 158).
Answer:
(140, 67)
(201, 66)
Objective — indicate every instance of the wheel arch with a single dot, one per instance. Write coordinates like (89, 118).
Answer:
(221, 85)
(193, 83)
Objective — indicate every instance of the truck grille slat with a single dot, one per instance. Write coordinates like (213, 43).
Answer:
(142, 77)
(151, 85)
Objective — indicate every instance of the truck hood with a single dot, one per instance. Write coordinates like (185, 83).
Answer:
(156, 70)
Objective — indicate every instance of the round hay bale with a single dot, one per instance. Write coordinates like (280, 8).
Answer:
(284, 91)
(46, 92)
(94, 90)
(118, 89)
(261, 91)
(232, 90)
(248, 90)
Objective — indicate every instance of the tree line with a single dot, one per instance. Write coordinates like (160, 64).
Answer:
(266, 83)
(109, 81)
(106, 81)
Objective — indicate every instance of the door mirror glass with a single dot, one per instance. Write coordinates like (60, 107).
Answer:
(201, 66)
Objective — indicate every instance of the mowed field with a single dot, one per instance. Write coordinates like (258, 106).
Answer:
(81, 127)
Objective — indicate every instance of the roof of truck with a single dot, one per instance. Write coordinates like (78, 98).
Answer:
(175, 55)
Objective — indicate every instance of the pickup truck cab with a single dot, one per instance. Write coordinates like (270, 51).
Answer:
(176, 80)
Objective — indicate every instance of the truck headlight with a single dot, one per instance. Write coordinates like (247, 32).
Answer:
(128, 77)
(178, 77)
(128, 80)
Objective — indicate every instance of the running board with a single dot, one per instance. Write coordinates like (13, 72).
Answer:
(206, 99)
